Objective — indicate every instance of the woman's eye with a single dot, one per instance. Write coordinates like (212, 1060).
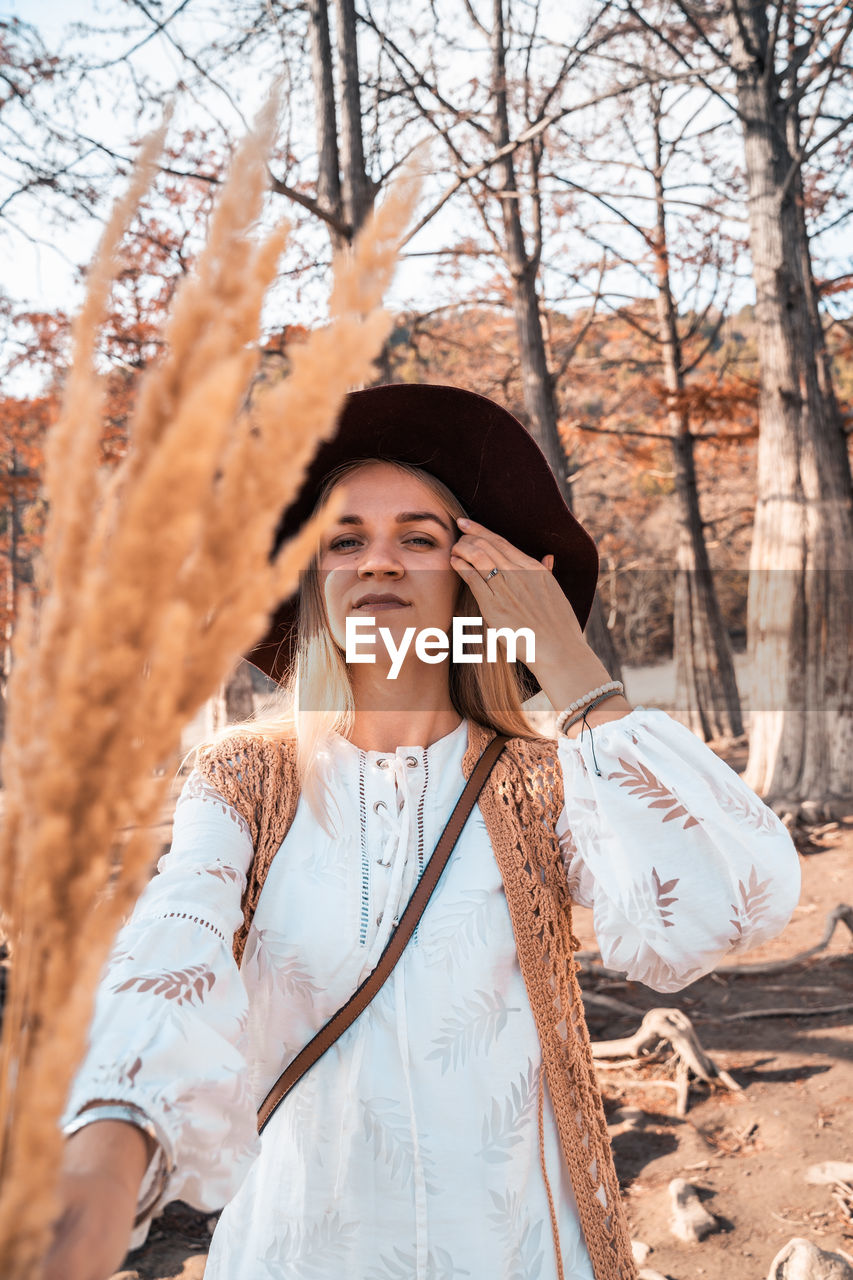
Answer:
(335, 546)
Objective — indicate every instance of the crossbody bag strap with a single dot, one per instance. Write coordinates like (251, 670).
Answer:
(396, 944)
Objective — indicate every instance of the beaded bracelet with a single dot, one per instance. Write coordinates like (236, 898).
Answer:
(613, 686)
(581, 715)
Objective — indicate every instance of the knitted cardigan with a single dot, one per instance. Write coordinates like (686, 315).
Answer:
(520, 804)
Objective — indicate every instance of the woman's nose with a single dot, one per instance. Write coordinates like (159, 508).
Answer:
(378, 558)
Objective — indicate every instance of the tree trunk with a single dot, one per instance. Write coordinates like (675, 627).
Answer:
(357, 187)
(706, 693)
(234, 700)
(11, 592)
(800, 607)
(326, 116)
(537, 379)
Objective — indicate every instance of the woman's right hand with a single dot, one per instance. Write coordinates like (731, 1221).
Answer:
(102, 1171)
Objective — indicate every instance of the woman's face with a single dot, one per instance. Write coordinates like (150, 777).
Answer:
(371, 550)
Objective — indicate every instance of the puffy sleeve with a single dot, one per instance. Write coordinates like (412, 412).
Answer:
(679, 859)
(169, 1028)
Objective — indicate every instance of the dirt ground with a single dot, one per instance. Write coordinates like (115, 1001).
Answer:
(746, 1153)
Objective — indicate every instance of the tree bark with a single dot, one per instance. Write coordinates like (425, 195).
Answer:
(234, 700)
(800, 606)
(326, 116)
(706, 696)
(523, 267)
(12, 582)
(356, 186)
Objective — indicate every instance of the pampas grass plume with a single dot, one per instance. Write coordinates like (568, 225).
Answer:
(154, 579)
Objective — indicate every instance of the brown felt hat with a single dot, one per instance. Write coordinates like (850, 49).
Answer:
(483, 454)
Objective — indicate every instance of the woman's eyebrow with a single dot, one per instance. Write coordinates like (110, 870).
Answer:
(403, 517)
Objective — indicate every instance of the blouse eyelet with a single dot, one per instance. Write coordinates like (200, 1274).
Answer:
(379, 804)
(411, 761)
(382, 764)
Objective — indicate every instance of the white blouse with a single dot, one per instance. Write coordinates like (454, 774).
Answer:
(410, 1151)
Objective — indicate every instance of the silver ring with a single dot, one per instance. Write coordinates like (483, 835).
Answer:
(491, 574)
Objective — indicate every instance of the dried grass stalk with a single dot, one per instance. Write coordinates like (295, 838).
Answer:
(156, 579)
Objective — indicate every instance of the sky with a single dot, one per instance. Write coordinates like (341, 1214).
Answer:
(40, 272)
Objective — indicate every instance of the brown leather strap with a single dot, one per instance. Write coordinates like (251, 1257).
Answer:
(396, 944)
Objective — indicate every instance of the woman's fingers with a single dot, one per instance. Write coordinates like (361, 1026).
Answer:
(486, 550)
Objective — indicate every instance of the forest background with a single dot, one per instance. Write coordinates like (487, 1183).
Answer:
(634, 231)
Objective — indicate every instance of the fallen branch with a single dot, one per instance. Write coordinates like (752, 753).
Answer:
(828, 1172)
(842, 1194)
(590, 968)
(783, 1013)
(611, 1004)
(668, 1026)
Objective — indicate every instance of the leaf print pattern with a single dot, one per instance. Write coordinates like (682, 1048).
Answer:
(503, 1124)
(463, 927)
(641, 782)
(663, 975)
(523, 1240)
(403, 1265)
(648, 899)
(276, 959)
(661, 900)
(308, 1252)
(300, 1117)
(127, 1074)
(218, 1148)
(743, 805)
(223, 872)
(390, 1132)
(117, 957)
(195, 788)
(472, 1026)
(184, 986)
(755, 897)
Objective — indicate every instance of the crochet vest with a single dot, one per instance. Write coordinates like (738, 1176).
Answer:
(520, 804)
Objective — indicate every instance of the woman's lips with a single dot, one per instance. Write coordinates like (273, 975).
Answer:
(381, 605)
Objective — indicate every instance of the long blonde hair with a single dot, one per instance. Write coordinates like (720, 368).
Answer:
(317, 699)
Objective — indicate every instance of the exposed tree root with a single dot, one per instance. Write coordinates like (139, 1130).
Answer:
(808, 814)
(669, 1026)
(610, 1004)
(784, 1013)
(690, 1220)
(802, 1260)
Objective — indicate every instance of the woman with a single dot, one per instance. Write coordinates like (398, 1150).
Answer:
(455, 1129)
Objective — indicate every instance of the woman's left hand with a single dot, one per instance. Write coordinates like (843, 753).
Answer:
(524, 594)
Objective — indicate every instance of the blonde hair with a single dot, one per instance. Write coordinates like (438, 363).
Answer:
(316, 699)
